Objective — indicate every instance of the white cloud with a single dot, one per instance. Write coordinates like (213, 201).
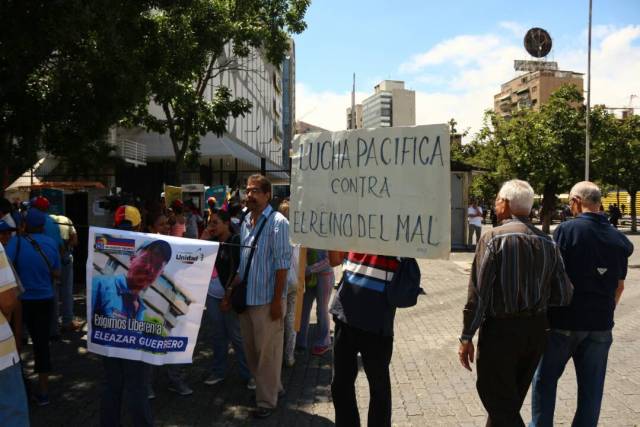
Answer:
(460, 50)
(515, 28)
(466, 71)
(325, 109)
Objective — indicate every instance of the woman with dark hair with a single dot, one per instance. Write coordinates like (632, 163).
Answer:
(226, 325)
(157, 223)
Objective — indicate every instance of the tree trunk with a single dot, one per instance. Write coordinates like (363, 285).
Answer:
(548, 207)
(632, 193)
(178, 169)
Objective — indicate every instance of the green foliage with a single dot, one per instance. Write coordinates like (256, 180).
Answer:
(616, 152)
(68, 71)
(543, 147)
(191, 38)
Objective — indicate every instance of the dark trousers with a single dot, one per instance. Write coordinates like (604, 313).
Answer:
(37, 318)
(508, 353)
(376, 353)
(126, 380)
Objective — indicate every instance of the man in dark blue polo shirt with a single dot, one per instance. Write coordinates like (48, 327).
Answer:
(595, 256)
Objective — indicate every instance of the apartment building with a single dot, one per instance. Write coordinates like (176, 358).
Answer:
(390, 105)
(533, 89)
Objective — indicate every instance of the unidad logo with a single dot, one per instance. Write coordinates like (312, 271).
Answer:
(190, 257)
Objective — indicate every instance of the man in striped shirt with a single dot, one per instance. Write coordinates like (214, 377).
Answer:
(363, 324)
(13, 399)
(517, 273)
(262, 324)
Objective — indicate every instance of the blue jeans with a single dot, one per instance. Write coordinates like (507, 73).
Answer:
(589, 350)
(14, 410)
(226, 327)
(321, 293)
(125, 381)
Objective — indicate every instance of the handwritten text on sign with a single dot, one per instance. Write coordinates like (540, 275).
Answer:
(383, 191)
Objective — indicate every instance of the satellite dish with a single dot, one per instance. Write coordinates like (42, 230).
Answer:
(537, 42)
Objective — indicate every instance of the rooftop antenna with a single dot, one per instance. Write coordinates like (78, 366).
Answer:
(353, 103)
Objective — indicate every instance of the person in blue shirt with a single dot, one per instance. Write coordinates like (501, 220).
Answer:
(37, 262)
(262, 323)
(119, 295)
(596, 258)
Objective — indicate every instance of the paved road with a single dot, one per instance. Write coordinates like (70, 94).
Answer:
(429, 385)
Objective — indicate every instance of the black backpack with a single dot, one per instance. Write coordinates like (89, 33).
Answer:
(404, 288)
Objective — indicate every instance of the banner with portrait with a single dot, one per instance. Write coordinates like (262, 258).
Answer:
(146, 294)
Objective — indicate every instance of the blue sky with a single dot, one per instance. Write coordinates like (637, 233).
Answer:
(452, 52)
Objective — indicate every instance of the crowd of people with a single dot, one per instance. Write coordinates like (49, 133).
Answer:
(550, 298)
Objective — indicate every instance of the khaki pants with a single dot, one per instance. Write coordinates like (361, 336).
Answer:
(263, 343)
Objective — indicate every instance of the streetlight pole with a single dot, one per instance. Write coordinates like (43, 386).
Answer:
(588, 130)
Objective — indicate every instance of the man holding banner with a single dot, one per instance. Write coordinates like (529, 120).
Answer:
(370, 196)
(363, 324)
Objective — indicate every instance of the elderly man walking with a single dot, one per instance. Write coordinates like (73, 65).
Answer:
(517, 273)
(596, 256)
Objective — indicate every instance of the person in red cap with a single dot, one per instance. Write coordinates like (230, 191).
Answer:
(52, 230)
(37, 261)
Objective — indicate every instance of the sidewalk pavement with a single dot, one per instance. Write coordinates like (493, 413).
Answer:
(429, 385)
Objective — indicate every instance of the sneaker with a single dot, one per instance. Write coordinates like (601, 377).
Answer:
(41, 399)
(261, 413)
(251, 384)
(151, 394)
(213, 380)
(319, 350)
(181, 388)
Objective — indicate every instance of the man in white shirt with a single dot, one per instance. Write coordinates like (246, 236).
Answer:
(474, 216)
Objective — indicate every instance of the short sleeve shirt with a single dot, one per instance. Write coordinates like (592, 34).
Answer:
(111, 297)
(31, 265)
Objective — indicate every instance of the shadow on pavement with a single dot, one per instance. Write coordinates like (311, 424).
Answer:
(75, 387)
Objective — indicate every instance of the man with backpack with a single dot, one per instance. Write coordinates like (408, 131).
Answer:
(363, 310)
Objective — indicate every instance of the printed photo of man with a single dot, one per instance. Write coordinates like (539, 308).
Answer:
(119, 295)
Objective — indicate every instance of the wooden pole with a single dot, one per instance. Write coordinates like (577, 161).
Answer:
(302, 263)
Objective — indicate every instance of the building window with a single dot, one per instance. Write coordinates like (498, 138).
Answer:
(534, 88)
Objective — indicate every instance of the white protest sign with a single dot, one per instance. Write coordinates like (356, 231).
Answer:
(146, 294)
(383, 191)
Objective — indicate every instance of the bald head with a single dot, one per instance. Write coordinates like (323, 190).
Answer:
(589, 194)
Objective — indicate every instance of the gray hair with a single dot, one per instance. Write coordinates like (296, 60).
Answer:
(588, 192)
(519, 194)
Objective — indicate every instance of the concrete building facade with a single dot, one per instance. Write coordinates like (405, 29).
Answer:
(357, 120)
(251, 143)
(390, 105)
(533, 89)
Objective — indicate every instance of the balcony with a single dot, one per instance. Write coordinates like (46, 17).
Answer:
(132, 151)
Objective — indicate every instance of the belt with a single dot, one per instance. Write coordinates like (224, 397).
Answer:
(518, 315)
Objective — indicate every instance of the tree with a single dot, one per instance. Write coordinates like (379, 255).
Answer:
(68, 71)
(543, 147)
(616, 153)
(193, 39)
